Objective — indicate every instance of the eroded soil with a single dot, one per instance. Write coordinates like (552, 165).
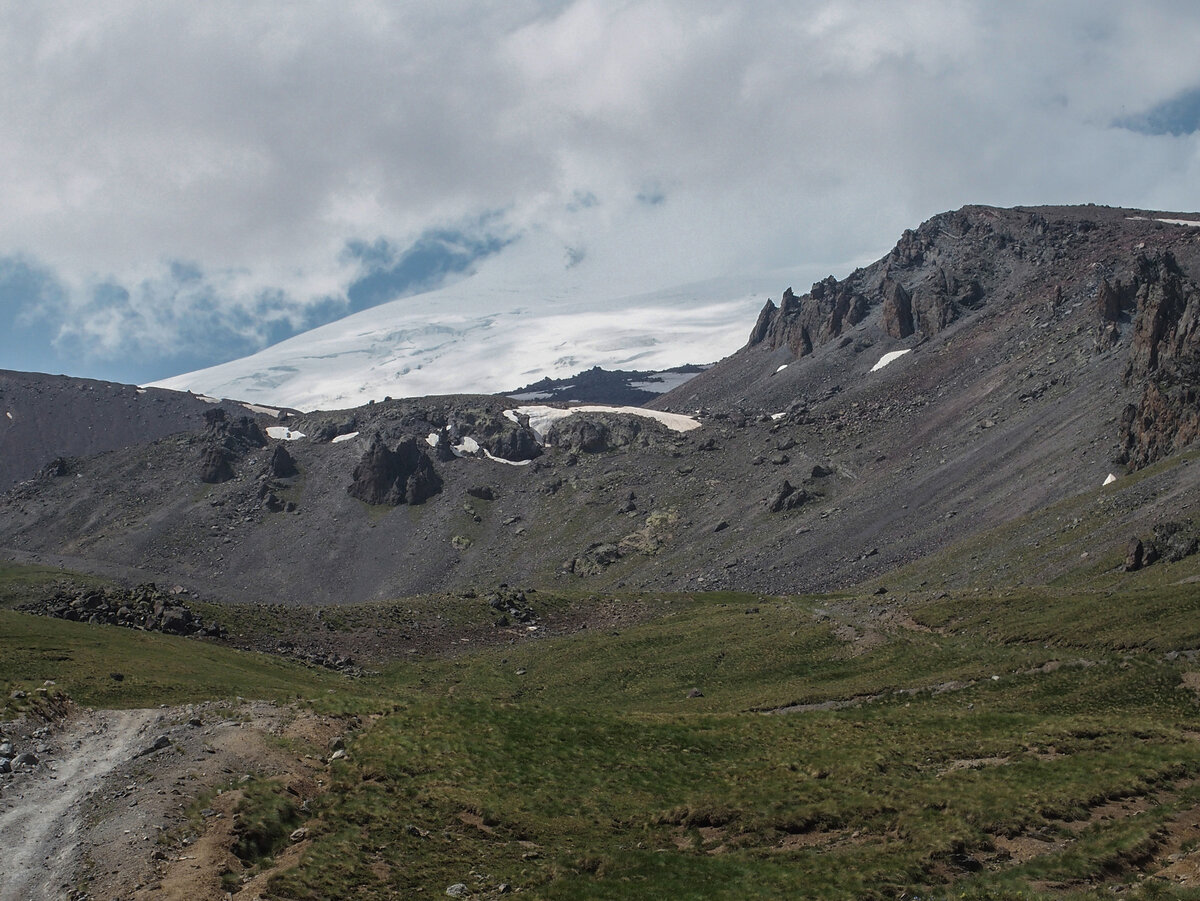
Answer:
(104, 814)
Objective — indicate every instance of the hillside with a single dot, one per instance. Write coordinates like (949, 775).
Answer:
(899, 600)
(49, 416)
(1048, 349)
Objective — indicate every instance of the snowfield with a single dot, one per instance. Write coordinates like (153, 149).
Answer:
(483, 335)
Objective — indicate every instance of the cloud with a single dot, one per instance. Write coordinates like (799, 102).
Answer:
(213, 176)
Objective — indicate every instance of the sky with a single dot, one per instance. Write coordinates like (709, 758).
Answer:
(187, 183)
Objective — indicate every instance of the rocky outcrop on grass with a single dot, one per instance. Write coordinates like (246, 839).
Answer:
(144, 607)
(1172, 542)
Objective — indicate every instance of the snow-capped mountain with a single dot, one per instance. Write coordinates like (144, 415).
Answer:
(499, 328)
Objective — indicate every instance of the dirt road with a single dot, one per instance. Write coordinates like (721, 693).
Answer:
(104, 811)
(41, 811)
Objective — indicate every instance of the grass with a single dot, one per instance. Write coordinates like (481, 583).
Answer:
(154, 669)
(577, 766)
(592, 775)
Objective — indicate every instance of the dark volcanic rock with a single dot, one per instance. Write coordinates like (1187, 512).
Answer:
(392, 477)
(594, 433)
(225, 441)
(216, 464)
(787, 497)
(1166, 359)
(282, 465)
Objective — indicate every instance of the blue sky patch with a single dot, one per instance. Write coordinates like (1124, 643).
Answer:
(1178, 116)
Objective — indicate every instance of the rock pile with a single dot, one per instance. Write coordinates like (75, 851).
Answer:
(512, 605)
(144, 607)
(339, 662)
(1172, 542)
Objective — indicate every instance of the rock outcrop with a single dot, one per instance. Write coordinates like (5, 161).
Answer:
(225, 441)
(144, 607)
(403, 475)
(1165, 359)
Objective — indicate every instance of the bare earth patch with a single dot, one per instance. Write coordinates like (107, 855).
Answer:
(105, 809)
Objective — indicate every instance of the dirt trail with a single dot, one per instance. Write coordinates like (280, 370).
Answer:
(41, 815)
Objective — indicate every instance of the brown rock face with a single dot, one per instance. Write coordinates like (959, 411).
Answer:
(897, 310)
(1166, 358)
(392, 477)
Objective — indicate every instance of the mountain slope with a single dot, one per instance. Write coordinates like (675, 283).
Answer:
(1047, 349)
(47, 416)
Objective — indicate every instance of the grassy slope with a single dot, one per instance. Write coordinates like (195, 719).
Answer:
(591, 775)
(576, 767)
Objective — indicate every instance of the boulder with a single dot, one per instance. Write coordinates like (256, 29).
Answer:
(1134, 555)
(177, 621)
(786, 497)
(404, 475)
(282, 465)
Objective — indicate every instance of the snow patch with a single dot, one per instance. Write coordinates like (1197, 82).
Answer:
(492, 456)
(9, 415)
(340, 438)
(778, 415)
(433, 439)
(1111, 478)
(207, 399)
(667, 381)
(283, 433)
(889, 357)
(141, 390)
(781, 368)
(542, 418)
(1194, 223)
(255, 408)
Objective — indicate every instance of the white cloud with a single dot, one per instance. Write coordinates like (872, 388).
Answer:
(255, 139)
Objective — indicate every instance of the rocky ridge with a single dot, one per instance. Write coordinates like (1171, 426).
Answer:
(982, 370)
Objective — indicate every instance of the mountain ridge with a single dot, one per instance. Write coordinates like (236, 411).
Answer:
(1034, 334)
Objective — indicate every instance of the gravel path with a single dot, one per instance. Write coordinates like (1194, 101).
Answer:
(41, 815)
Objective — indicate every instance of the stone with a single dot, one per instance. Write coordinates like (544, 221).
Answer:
(1175, 540)
(786, 497)
(163, 741)
(386, 476)
(176, 621)
(458, 890)
(283, 464)
(1134, 555)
